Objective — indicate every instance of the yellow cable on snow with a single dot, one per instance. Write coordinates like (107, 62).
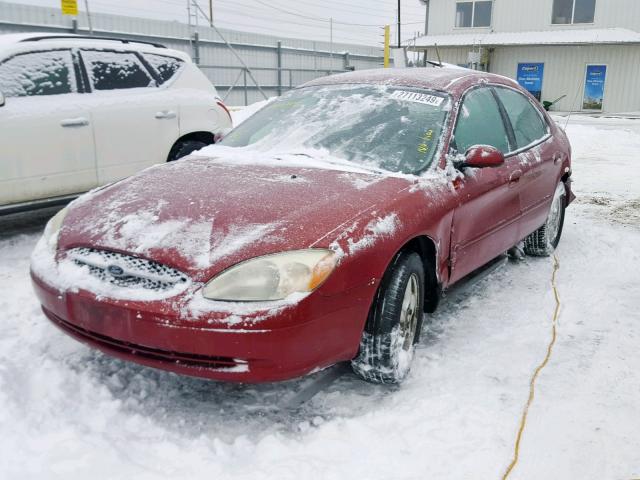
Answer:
(532, 382)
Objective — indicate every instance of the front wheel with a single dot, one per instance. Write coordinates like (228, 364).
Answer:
(543, 241)
(387, 344)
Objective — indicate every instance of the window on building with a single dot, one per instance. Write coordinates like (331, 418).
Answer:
(39, 73)
(115, 70)
(473, 14)
(573, 11)
(480, 122)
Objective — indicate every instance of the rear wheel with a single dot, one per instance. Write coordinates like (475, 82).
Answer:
(543, 241)
(387, 344)
(184, 148)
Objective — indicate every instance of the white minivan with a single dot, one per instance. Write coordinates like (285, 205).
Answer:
(78, 112)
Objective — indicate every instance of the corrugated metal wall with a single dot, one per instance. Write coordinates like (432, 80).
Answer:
(300, 60)
(533, 15)
(564, 71)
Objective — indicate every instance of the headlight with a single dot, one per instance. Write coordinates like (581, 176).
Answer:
(272, 277)
(53, 228)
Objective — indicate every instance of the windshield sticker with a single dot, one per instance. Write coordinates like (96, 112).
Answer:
(417, 97)
(425, 144)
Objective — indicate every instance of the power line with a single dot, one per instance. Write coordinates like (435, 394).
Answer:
(326, 20)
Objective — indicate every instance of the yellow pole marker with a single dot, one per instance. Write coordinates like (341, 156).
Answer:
(387, 37)
(536, 373)
(69, 7)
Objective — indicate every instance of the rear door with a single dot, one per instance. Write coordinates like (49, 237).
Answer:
(485, 222)
(135, 121)
(538, 157)
(46, 138)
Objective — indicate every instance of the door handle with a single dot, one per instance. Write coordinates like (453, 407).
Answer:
(165, 114)
(74, 122)
(515, 177)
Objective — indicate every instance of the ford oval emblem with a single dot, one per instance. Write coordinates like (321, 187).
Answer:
(115, 270)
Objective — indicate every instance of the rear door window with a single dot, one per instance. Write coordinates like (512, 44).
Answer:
(528, 125)
(166, 67)
(480, 122)
(109, 70)
(38, 73)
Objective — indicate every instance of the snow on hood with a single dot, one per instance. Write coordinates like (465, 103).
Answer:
(202, 215)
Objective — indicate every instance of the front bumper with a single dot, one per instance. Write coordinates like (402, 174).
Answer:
(315, 333)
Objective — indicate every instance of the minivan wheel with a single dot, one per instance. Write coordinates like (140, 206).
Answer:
(184, 148)
(543, 241)
(388, 340)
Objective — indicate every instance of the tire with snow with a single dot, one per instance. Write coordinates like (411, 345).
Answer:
(184, 148)
(389, 336)
(543, 241)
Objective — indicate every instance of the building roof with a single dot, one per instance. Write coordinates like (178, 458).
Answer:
(549, 37)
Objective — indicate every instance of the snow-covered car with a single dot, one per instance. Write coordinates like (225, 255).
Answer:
(316, 232)
(78, 112)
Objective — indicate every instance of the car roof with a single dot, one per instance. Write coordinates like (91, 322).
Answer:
(19, 42)
(451, 79)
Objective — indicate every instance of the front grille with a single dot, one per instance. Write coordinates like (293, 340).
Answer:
(127, 271)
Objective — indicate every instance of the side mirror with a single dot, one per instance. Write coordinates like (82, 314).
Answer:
(481, 156)
(1, 99)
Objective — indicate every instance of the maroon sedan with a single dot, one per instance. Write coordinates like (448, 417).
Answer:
(318, 231)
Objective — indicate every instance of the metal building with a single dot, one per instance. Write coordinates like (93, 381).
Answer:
(585, 50)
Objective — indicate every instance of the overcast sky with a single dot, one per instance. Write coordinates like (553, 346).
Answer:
(294, 18)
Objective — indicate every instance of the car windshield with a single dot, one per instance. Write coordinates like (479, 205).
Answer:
(385, 127)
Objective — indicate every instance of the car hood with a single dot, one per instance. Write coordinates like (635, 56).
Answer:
(202, 215)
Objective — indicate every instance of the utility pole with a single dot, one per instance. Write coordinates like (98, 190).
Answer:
(399, 42)
(211, 13)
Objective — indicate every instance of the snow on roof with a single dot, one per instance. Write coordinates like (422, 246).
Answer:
(548, 37)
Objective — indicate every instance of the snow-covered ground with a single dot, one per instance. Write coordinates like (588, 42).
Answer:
(69, 412)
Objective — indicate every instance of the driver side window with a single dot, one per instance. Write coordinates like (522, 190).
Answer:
(480, 122)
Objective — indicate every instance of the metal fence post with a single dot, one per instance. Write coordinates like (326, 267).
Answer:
(279, 59)
(246, 95)
(196, 47)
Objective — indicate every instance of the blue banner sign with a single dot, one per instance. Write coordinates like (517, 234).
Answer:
(594, 87)
(530, 77)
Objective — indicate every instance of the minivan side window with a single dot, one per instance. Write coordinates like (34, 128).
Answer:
(480, 122)
(38, 73)
(165, 66)
(528, 125)
(110, 70)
